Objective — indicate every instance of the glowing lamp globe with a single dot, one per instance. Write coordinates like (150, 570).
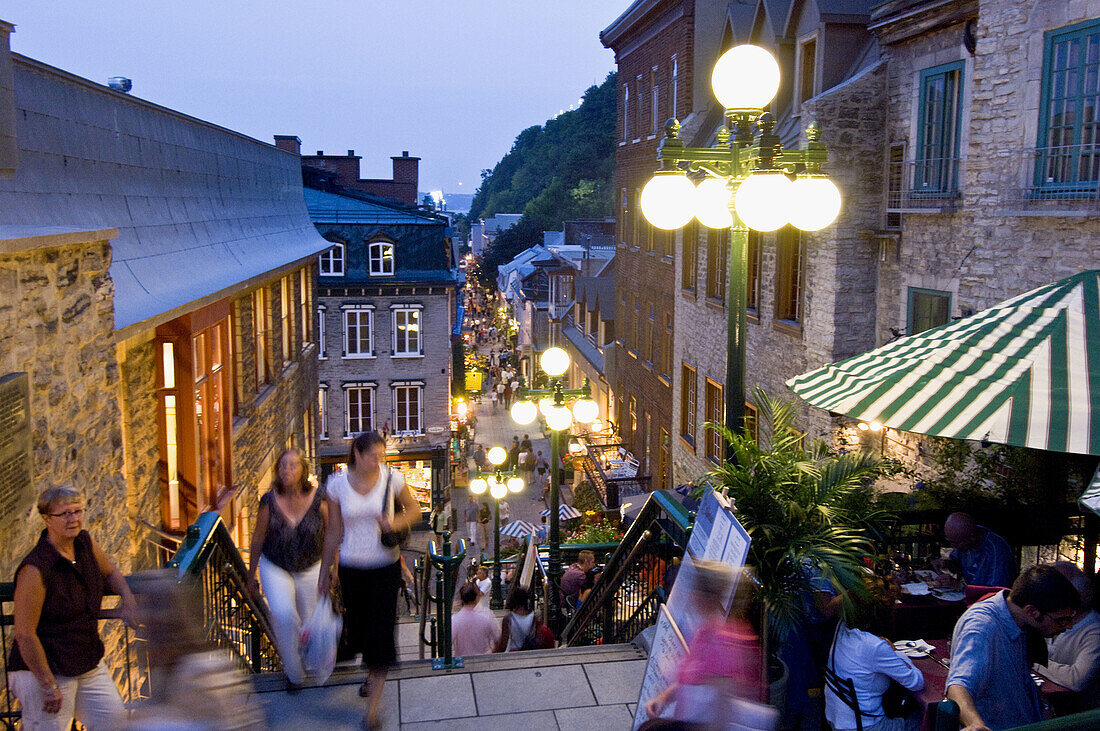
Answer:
(524, 412)
(815, 203)
(586, 410)
(554, 361)
(498, 455)
(712, 204)
(745, 77)
(515, 484)
(478, 486)
(763, 200)
(545, 404)
(559, 418)
(668, 200)
(498, 490)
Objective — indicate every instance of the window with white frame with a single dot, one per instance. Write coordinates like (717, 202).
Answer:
(407, 398)
(406, 331)
(331, 262)
(322, 411)
(322, 352)
(380, 258)
(358, 331)
(358, 408)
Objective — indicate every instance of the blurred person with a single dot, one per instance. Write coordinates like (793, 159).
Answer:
(192, 685)
(470, 516)
(505, 512)
(572, 581)
(720, 680)
(484, 587)
(980, 555)
(513, 453)
(56, 667)
(440, 521)
(484, 519)
(860, 654)
(525, 443)
(519, 629)
(1074, 655)
(473, 632)
(480, 458)
(542, 466)
(369, 571)
(995, 643)
(286, 551)
(408, 583)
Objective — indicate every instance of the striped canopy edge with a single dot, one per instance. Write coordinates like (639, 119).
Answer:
(1024, 372)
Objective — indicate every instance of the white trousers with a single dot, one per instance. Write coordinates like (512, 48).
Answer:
(91, 698)
(472, 532)
(291, 598)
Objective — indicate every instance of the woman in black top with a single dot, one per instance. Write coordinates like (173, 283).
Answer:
(286, 549)
(56, 666)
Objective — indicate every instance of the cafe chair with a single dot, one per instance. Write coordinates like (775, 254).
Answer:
(975, 593)
(845, 690)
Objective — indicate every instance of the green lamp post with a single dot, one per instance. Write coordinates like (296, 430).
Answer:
(559, 417)
(498, 483)
(750, 182)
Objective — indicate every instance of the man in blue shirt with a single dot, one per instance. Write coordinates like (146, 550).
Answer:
(982, 556)
(990, 676)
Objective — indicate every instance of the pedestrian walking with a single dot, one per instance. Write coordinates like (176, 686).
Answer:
(542, 466)
(362, 506)
(484, 517)
(286, 554)
(469, 516)
(513, 453)
(493, 399)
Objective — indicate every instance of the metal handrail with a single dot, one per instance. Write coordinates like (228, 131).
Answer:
(661, 521)
(232, 616)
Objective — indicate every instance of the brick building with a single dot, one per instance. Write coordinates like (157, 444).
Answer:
(386, 306)
(323, 171)
(156, 331)
(658, 45)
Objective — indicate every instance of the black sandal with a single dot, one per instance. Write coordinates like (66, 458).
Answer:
(364, 689)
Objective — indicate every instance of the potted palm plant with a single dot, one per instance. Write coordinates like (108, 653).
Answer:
(806, 509)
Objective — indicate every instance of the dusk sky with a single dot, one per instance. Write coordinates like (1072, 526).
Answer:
(451, 82)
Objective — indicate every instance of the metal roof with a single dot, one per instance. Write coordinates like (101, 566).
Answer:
(201, 211)
(327, 207)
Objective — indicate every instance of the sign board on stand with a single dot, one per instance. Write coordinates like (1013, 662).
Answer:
(715, 536)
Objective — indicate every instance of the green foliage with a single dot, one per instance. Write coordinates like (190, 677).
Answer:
(805, 508)
(998, 476)
(557, 172)
(586, 498)
(600, 532)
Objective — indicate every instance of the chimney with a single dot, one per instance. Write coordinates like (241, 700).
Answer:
(290, 143)
(9, 154)
(406, 170)
(351, 153)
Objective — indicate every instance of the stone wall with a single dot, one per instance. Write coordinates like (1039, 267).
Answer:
(56, 319)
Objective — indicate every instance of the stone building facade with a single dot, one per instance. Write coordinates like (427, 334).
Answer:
(163, 268)
(386, 307)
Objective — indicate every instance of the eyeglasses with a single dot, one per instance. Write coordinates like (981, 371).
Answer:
(79, 513)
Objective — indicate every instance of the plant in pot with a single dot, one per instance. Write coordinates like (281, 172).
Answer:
(806, 510)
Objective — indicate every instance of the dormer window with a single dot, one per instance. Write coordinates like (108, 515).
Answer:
(331, 262)
(380, 257)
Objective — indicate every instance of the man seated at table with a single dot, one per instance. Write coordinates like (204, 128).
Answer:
(982, 556)
(995, 643)
(1075, 654)
(572, 581)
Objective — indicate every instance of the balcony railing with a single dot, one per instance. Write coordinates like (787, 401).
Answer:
(1055, 181)
(924, 186)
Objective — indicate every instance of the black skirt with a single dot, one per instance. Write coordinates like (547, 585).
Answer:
(370, 612)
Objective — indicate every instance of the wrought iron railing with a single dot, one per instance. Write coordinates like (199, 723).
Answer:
(627, 596)
(1055, 180)
(928, 185)
(232, 617)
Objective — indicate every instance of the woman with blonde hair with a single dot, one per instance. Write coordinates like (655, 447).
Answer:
(286, 551)
(56, 666)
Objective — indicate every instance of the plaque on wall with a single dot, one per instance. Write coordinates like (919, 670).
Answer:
(16, 472)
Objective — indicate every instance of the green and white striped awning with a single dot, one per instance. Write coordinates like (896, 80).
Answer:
(1025, 372)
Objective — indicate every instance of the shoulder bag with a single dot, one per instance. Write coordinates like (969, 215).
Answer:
(393, 538)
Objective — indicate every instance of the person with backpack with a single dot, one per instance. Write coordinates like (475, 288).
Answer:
(521, 628)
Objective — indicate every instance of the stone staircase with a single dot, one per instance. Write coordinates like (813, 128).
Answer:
(570, 688)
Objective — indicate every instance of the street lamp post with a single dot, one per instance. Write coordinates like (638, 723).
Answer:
(499, 483)
(753, 183)
(554, 363)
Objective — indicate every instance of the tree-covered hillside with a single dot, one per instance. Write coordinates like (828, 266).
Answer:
(553, 173)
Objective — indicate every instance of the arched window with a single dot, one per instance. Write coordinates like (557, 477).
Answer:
(380, 258)
(331, 263)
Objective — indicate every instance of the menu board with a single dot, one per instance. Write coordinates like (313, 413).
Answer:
(665, 658)
(715, 536)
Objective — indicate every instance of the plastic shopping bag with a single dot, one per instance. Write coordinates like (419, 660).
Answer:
(319, 639)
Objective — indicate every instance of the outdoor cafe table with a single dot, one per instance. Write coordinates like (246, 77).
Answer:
(925, 616)
(935, 686)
